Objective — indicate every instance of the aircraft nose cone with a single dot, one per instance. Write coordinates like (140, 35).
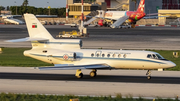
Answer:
(171, 64)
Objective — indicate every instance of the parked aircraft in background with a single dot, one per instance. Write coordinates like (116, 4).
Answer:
(114, 19)
(66, 54)
(11, 19)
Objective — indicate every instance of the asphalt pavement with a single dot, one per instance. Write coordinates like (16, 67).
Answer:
(160, 38)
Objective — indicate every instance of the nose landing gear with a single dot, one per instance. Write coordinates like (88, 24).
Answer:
(148, 74)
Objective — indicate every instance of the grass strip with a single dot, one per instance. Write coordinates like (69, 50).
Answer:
(37, 97)
(15, 57)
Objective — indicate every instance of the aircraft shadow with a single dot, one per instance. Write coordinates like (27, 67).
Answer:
(99, 78)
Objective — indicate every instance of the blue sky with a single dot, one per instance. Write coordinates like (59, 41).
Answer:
(36, 3)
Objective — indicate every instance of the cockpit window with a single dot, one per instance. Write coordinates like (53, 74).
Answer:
(155, 56)
(159, 56)
(149, 56)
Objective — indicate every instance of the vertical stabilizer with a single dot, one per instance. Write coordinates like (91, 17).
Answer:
(35, 28)
(141, 6)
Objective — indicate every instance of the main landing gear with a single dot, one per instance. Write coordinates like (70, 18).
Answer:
(79, 74)
(133, 25)
(93, 73)
(148, 74)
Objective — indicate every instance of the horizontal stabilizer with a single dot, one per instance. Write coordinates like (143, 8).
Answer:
(27, 39)
(74, 67)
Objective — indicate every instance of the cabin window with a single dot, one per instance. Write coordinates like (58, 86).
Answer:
(108, 55)
(119, 55)
(124, 55)
(92, 54)
(103, 55)
(114, 55)
(97, 55)
(44, 51)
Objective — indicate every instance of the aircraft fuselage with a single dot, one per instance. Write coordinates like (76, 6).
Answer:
(117, 59)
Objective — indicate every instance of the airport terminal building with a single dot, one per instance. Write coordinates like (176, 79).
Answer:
(151, 6)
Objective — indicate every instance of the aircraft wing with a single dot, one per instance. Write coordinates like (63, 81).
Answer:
(99, 17)
(119, 22)
(74, 67)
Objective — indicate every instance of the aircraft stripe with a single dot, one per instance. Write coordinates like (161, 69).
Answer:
(123, 59)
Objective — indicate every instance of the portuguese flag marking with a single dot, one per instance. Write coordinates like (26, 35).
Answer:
(34, 26)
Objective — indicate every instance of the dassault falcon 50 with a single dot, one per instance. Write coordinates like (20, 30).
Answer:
(66, 54)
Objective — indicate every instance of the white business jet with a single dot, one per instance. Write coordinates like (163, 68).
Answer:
(66, 54)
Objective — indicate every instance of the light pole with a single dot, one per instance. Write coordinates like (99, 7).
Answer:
(0, 9)
(16, 7)
(66, 11)
(149, 13)
(82, 18)
(49, 8)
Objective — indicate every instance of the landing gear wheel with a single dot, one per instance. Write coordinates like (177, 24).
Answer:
(80, 75)
(133, 25)
(149, 77)
(93, 74)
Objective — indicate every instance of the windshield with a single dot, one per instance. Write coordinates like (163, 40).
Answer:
(159, 56)
(154, 56)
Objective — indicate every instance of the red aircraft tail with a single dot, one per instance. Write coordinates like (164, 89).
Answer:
(141, 6)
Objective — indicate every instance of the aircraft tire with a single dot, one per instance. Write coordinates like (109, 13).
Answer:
(80, 75)
(93, 74)
(149, 77)
(133, 26)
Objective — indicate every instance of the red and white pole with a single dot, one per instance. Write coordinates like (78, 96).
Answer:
(66, 10)
(82, 19)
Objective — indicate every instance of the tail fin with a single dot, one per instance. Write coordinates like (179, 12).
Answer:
(35, 28)
(141, 6)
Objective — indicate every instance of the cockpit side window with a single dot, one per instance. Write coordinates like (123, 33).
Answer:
(149, 56)
(155, 56)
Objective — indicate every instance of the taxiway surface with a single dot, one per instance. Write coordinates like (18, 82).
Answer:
(125, 82)
(161, 38)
